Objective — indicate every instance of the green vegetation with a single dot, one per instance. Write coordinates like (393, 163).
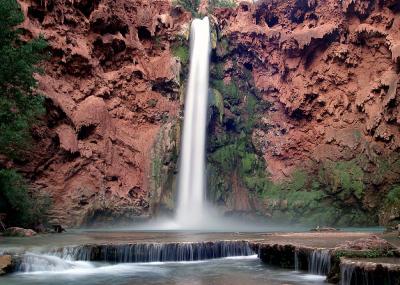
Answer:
(181, 52)
(220, 4)
(189, 5)
(319, 196)
(344, 178)
(19, 104)
(393, 197)
(180, 49)
(152, 103)
(373, 253)
(193, 5)
(304, 198)
(218, 102)
(232, 157)
(20, 107)
(15, 200)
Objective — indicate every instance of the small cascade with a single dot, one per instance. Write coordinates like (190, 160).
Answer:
(32, 262)
(346, 272)
(360, 272)
(319, 262)
(296, 260)
(154, 252)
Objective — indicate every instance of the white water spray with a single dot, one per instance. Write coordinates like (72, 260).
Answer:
(193, 212)
(192, 180)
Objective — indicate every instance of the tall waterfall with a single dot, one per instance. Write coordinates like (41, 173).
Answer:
(192, 180)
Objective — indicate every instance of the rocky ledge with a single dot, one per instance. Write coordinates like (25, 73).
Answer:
(350, 262)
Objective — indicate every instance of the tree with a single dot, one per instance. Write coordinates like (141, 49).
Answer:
(20, 105)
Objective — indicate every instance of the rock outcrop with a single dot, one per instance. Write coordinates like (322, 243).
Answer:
(330, 70)
(327, 70)
(110, 83)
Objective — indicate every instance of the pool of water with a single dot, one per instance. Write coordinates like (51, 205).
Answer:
(123, 236)
(232, 271)
(45, 268)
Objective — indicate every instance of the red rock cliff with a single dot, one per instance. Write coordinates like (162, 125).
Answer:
(110, 83)
(331, 71)
(329, 68)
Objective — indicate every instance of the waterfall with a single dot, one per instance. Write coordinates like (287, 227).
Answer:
(32, 262)
(319, 262)
(70, 257)
(192, 181)
(347, 272)
(296, 260)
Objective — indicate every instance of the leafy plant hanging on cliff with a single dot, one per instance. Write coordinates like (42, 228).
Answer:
(20, 105)
(189, 5)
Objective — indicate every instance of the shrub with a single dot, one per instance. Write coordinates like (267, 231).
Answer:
(22, 208)
(20, 107)
(220, 4)
(189, 5)
(393, 197)
(230, 91)
(181, 52)
(19, 103)
(218, 102)
(217, 71)
(344, 178)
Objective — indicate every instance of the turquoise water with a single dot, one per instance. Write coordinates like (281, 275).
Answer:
(238, 270)
(230, 271)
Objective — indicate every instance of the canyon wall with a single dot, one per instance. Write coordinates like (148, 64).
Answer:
(322, 76)
(112, 89)
(329, 73)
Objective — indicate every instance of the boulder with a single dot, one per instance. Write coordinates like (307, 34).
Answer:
(5, 264)
(19, 232)
(373, 242)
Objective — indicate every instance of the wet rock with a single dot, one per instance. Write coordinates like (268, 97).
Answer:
(6, 264)
(19, 232)
(58, 229)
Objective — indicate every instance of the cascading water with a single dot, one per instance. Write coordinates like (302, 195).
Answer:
(319, 262)
(192, 181)
(72, 257)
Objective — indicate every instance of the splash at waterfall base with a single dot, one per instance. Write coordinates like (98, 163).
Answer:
(193, 212)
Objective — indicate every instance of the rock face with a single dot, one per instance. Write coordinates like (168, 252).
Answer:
(331, 72)
(110, 84)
